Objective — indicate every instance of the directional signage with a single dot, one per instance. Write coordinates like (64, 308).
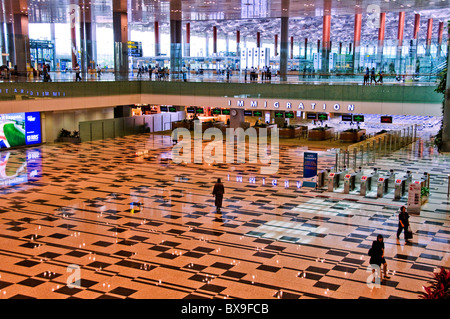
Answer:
(279, 114)
(289, 115)
(347, 117)
(358, 118)
(225, 111)
(311, 116)
(322, 116)
(216, 111)
(248, 113)
(386, 119)
(135, 49)
(309, 165)
(172, 109)
(190, 110)
(257, 113)
(163, 108)
(199, 110)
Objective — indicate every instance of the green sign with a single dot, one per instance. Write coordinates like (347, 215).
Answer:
(225, 111)
(322, 116)
(289, 115)
(358, 118)
(216, 111)
(279, 114)
(199, 110)
(257, 113)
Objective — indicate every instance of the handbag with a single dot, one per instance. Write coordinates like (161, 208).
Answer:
(409, 233)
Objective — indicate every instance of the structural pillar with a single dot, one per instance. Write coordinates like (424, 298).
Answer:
(440, 36)
(292, 48)
(413, 44)
(22, 58)
(120, 29)
(214, 40)
(238, 43)
(187, 45)
(381, 32)
(446, 115)
(276, 45)
(284, 47)
(74, 10)
(429, 34)
(357, 42)
(157, 43)
(306, 48)
(326, 45)
(401, 27)
(175, 39)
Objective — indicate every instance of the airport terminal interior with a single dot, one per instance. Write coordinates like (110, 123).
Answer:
(116, 120)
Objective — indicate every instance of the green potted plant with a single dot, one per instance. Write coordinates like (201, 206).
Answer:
(424, 193)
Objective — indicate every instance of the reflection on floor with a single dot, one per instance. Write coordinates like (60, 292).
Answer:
(139, 226)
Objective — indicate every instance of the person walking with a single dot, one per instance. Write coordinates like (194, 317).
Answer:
(403, 223)
(218, 192)
(372, 76)
(366, 76)
(77, 72)
(376, 254)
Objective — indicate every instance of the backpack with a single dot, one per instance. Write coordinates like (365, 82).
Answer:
(370, 252)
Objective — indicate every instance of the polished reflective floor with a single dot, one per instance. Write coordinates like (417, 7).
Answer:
(128, 223)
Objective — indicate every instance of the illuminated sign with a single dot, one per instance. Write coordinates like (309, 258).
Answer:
(199, 110)
(322, 116)
(358, 118)
(216, 111)
(289, 115)
(172, 109)
(225, 111)
(347, 117)
(257, 113)
(18, 129)
(386, 119)
(190, 109)
(311, 116)
(290, 105)
(163, 108)
(248, 113)
(279, 114)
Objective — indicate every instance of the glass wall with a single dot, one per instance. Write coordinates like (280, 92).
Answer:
(413, 59)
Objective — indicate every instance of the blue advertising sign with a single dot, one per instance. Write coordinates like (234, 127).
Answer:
(309, 165)
(32, 128)
(19, 129)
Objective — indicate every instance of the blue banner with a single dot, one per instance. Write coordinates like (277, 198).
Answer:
(32, 128)
(309, 165)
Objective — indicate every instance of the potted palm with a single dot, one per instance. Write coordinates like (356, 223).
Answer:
(424, 193)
